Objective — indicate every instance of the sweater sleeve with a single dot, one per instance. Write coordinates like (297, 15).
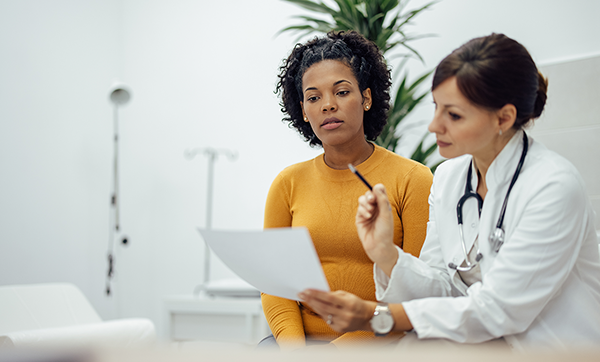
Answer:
(354, 339)
(415, 208)
(283, 315)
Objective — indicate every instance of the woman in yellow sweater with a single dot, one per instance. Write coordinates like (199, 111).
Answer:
(335, 92)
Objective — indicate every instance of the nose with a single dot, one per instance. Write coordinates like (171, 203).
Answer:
(436, 125)
(329, 104)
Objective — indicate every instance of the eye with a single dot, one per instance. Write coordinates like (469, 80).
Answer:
(312, 99)
(454, 116)
(343, 93)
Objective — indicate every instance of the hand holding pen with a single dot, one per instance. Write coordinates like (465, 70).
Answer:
(375, 225)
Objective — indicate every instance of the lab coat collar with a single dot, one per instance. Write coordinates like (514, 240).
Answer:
(505, 164)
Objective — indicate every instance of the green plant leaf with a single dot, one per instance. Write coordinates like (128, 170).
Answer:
(318, 7)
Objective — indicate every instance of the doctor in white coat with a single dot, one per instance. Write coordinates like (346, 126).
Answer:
(511, 253)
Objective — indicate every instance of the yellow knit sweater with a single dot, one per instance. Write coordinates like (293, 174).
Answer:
(325, 200)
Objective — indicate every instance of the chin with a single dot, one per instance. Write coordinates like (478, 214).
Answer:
(447, 154)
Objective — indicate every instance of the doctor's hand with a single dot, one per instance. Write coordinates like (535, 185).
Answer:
(375, 226)
(343, 311)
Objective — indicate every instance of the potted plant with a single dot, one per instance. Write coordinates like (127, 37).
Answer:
(384, 23)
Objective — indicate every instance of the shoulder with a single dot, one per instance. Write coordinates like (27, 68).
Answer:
(541, 159)
(544, 167)
(551, 189)
(453, 167)
(297, 174)
(298, 169)
(406, 166)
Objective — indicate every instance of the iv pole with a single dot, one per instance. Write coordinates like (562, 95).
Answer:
(119, 95)
(212, 154)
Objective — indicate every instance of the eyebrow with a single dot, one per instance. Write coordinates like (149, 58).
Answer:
(446, 105)
(336, 83)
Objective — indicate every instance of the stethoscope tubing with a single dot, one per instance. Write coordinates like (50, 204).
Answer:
(496, 238)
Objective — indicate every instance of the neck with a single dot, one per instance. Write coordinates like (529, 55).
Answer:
(338, 158)
(481, 184)
(483, 160)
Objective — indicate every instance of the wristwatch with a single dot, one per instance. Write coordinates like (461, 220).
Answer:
(382, 321)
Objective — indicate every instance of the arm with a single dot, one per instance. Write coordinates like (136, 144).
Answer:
(413, 212)
(413, 278)
(543, 243)
(283, 315)
(350, 313)
(285, 321)
(375, 227)
(530, 270)
(410, 277)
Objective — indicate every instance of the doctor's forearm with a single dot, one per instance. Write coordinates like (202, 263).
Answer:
(402, 323)
(387, 261)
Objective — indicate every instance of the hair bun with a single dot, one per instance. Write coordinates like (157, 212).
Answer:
(540, 100)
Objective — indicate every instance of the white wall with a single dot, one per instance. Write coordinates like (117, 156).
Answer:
(57, 60)
(202, 75)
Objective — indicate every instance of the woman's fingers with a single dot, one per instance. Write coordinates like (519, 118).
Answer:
(343, 311)
(321, 302)
(324, 303)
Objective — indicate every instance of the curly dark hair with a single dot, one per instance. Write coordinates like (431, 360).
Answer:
(358, 53)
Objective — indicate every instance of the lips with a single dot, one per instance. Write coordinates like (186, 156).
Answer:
(331, 123)
(443, 144)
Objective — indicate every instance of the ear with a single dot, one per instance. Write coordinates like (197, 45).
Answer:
(303, 113)
(367, 100)
(507, 116)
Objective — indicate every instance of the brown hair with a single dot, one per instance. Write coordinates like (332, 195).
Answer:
(493, 71)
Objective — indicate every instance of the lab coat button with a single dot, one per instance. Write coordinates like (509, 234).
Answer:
(473, 225)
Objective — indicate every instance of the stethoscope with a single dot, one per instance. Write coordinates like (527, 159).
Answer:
(497, 236)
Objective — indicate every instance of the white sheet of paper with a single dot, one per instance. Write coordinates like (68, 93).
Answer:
(280, 262)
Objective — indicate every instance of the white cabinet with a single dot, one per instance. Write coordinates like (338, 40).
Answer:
(215, 319)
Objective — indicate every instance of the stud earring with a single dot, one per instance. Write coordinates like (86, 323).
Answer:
(305, 119)
(500, 133)
(366, 108)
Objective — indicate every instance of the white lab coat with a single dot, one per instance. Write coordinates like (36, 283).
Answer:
(543, 287)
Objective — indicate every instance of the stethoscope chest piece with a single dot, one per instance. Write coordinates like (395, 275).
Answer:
(497, 239)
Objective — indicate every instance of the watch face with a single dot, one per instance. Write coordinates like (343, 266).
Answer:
(382, 321)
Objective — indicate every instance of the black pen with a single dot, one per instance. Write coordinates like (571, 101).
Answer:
(359, 176)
